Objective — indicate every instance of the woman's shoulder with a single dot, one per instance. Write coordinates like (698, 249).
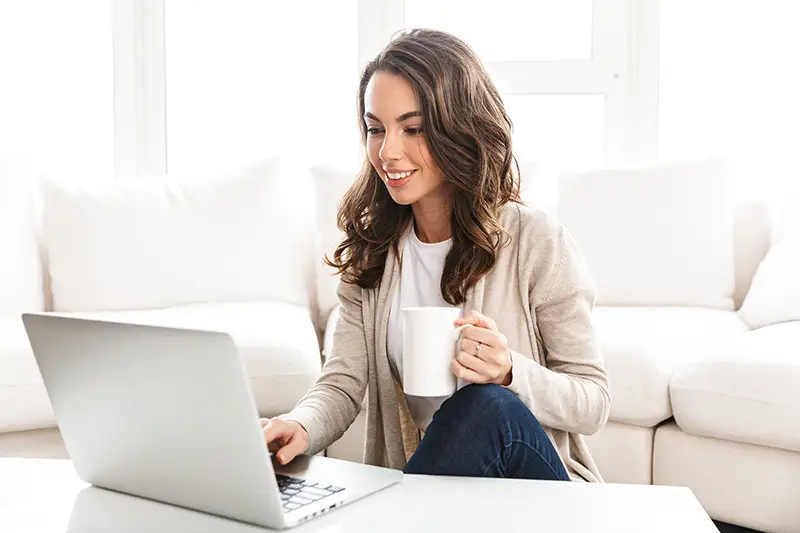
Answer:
(531, 226)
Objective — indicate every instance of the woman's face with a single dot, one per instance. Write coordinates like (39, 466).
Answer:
(395, 141)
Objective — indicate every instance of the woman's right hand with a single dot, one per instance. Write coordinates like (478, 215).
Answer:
(285, 439)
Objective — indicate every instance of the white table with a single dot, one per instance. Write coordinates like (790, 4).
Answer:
(45, 495)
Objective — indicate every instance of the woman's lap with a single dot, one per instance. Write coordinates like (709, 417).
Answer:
(486, 431)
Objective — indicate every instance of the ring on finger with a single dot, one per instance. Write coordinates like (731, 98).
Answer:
(478, 349)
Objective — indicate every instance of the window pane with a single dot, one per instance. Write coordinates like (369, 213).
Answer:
(736, 94)
(247, 79)
(57, 86)
(562, 130)
(511, 30)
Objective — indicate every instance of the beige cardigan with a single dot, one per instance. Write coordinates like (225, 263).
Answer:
(541, 296)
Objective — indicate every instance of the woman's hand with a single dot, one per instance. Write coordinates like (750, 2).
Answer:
(483, 355)
(285, 439)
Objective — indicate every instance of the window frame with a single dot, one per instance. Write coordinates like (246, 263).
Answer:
(623, 68)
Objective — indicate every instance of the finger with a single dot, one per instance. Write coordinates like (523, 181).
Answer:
(471, 317)
(487, 354)
(264, 422)
(486, 322)
(294, 447)
(473, 363)
(276, 432)
(464, 373)
(481, 335)
(476, 319)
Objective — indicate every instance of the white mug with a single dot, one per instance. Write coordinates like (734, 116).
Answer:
(430, 341)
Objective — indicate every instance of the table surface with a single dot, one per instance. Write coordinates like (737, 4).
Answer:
(45, 495)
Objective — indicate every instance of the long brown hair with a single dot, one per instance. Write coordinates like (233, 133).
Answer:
(468, 133)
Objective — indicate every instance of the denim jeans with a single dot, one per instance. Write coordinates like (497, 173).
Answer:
(486, 431)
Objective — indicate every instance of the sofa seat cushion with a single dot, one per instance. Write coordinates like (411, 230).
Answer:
(748, 392)
(643, 347)
(17, 366)
(23, 400)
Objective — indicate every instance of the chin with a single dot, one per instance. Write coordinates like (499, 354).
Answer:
(403, 197)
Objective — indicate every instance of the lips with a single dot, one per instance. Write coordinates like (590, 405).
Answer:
(397, 179)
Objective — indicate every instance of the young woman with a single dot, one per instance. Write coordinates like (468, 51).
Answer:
(434, 219)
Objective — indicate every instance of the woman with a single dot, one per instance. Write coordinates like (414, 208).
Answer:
(435, 219)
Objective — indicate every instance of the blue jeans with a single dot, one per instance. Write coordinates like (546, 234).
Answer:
(486, 431)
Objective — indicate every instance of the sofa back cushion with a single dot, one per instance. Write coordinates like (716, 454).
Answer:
(774, 294)
(658, 234)
(330, 185)
(154, 242)
(20, 264)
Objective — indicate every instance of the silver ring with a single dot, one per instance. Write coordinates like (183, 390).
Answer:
(478, 349)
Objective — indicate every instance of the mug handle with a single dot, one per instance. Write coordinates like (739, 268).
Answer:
(459, 331)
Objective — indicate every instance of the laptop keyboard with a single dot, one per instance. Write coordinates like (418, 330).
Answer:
(296, 493)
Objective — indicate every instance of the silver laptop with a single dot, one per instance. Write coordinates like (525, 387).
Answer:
(167, 414)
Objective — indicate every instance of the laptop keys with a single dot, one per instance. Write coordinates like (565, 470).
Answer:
(295, 492)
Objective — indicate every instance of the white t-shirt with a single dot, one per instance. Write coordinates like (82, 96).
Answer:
(420, 286)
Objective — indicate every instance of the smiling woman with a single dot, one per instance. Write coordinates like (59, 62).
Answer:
(434, 219)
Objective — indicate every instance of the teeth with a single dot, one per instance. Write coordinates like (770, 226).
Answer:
(398, 175)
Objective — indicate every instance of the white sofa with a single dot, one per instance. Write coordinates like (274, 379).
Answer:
(203, 252)
(702, 389)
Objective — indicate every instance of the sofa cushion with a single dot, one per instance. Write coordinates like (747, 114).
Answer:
(774, 294)
(643, 346)
(748, 392)
(658, 235)
(330, 185)
(20, 265)
(162, 241)
(24, 401)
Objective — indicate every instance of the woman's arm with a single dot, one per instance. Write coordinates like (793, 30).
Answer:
(333, 403)
(571, 392)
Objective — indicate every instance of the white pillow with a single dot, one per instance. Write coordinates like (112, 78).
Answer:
(156, 242)
(774, 294)
(21, 287)
(330, 185)
(660, 234)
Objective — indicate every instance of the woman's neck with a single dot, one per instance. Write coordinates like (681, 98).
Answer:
(432, 217)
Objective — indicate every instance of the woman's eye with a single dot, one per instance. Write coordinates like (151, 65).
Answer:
(374, 131)
(414, 131)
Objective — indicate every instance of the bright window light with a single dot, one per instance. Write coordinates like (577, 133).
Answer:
(57, 86)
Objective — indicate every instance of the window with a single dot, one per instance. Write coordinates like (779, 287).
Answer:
(57, 89)
(735, 94)
(557, 129)
(561, 67)
(510, 30)
(247, 79)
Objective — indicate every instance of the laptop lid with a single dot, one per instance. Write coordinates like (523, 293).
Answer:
(157, 412)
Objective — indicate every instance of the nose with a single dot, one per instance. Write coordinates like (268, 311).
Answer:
(392, 148)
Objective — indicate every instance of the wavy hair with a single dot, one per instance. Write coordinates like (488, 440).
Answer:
(468, 133)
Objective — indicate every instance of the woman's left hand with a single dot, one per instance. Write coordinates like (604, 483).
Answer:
(483, 355)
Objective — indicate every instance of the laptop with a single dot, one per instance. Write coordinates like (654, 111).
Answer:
(167, 414)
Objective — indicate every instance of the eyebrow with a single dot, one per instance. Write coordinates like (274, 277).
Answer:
(401, 118)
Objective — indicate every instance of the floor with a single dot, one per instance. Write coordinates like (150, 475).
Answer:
(47, 444)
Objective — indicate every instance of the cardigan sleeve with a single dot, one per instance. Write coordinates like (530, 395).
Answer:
(570, 392)
(333, 403)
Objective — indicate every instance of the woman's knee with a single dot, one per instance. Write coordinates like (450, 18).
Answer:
(490, 403)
